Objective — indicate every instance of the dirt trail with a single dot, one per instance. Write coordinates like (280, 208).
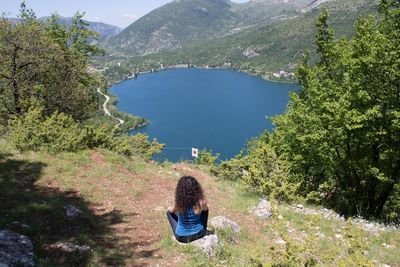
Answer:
(143, 199)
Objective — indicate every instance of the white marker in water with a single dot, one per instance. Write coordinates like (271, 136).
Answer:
(195, 152)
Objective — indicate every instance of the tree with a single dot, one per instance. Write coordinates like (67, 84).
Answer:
(46, 63)
(340, 133)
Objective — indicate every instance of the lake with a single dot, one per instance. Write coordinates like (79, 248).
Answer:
(214, 109)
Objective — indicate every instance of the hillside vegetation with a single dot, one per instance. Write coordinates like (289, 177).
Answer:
(123, 203)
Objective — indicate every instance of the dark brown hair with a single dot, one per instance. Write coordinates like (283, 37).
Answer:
(188, 193)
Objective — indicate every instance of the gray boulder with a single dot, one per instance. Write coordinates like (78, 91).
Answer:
(263, 209)
(15, 250)
(220, 222)
(208, 244)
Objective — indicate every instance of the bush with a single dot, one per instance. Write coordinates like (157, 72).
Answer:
(207, 158)
(60, 132)
(56, 133)
(230, 169)
(260, 170)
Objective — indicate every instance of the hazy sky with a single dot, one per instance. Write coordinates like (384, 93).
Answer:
(116, 12)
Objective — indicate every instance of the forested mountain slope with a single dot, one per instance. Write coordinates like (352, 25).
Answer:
(271, 45)
(179, 23)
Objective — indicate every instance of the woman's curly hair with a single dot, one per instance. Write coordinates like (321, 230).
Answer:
(188, 193)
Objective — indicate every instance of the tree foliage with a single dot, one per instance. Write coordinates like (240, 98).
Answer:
(340, 133)
(46, 63)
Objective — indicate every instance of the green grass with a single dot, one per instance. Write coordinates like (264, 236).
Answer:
(34, 187)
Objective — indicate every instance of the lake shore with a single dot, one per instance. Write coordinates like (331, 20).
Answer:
(189, 66)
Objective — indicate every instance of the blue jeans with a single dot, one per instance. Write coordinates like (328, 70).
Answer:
(173, 221)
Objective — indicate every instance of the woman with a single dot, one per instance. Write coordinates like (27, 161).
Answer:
(188, 218)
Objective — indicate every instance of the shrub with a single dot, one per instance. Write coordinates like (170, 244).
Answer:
(60, 132)
(260, 170)
(230, 169)
(207, 158)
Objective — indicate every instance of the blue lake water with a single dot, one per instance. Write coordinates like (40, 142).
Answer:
(214, 109)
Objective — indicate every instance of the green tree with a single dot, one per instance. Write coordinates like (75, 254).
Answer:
(340, 133)
(46, 63)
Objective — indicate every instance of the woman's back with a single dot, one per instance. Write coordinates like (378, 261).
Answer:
(188, 218)
(189, 223)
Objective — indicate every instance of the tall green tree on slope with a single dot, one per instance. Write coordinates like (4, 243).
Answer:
(341, 132)
(46, 64)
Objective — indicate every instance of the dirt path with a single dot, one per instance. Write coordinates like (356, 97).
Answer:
(143, 199)
(107, 111)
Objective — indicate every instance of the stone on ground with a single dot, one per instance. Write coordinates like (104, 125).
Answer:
(70, 247)
(208, 244)
(220, 222)
(263, 209)
(72, 212)
(15, 249)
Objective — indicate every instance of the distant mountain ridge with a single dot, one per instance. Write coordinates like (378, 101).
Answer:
(105, 30)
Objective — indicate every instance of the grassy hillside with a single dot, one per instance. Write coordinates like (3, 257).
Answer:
(123, 221)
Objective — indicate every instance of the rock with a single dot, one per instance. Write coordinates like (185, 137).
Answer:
(388, 245)
(72, 211)
(338, 236)
(263, 209)
(281, 242)
(208, 244)
(70, 247)
(220, 222)
(15, 249)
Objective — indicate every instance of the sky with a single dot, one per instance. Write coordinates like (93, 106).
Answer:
(116, 12)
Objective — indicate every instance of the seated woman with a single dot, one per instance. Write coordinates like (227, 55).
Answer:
(188, 218)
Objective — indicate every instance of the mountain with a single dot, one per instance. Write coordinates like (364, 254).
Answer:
(105, 30)
(276, 36)
(181, 22)
(272, 46)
